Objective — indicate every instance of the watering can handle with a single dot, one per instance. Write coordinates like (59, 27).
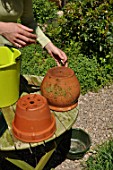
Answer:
(15, 52)
(11, 48)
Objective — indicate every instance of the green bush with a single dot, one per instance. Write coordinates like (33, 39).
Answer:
(35, 60)
(44, 11)
(103, 160)
(92, 76)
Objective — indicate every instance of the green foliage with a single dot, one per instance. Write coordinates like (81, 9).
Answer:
(89, 22)
(103, 160)
(20, 164)
(35, 60)
(92, 76)
(44, 11)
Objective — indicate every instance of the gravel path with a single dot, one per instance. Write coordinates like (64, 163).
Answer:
(96, 118)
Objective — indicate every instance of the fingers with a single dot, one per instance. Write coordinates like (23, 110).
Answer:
(25, 28)
(18, 45)
(26, 39)
(63, 58)
(26, 31)
(23, 42)
(59, 56)
(24, 36)
(64, 63)
(27, 34)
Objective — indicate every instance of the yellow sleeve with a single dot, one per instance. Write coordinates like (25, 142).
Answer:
(43, 40)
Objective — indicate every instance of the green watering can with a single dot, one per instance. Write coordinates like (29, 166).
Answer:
(9, 75)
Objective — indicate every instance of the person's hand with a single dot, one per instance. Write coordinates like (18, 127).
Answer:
(18, 34)
(59, 56)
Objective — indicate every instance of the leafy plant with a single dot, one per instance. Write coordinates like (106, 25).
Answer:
(44, 11)
(103, 160)
(35, 60)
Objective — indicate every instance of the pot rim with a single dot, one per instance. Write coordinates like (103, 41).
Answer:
(35, 136)
(63, 109)
(52, 70)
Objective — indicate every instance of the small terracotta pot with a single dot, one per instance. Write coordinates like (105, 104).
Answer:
(61, 88)
(33, 120)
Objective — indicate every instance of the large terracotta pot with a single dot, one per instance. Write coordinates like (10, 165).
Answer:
(61, 88)
(33, 120)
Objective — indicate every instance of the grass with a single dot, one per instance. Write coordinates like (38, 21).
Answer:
(103, 159)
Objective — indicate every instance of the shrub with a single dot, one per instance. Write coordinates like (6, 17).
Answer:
(44, 11)
(35, 61)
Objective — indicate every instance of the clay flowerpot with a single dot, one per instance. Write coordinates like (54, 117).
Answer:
(33, 120)
(61, 88)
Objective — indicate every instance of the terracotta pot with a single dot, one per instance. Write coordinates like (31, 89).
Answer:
(61, 88)
(33, 120)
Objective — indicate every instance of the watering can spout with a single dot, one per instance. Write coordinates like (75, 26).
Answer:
(8, 56)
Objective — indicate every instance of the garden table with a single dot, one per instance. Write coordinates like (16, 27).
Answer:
(64, 122)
